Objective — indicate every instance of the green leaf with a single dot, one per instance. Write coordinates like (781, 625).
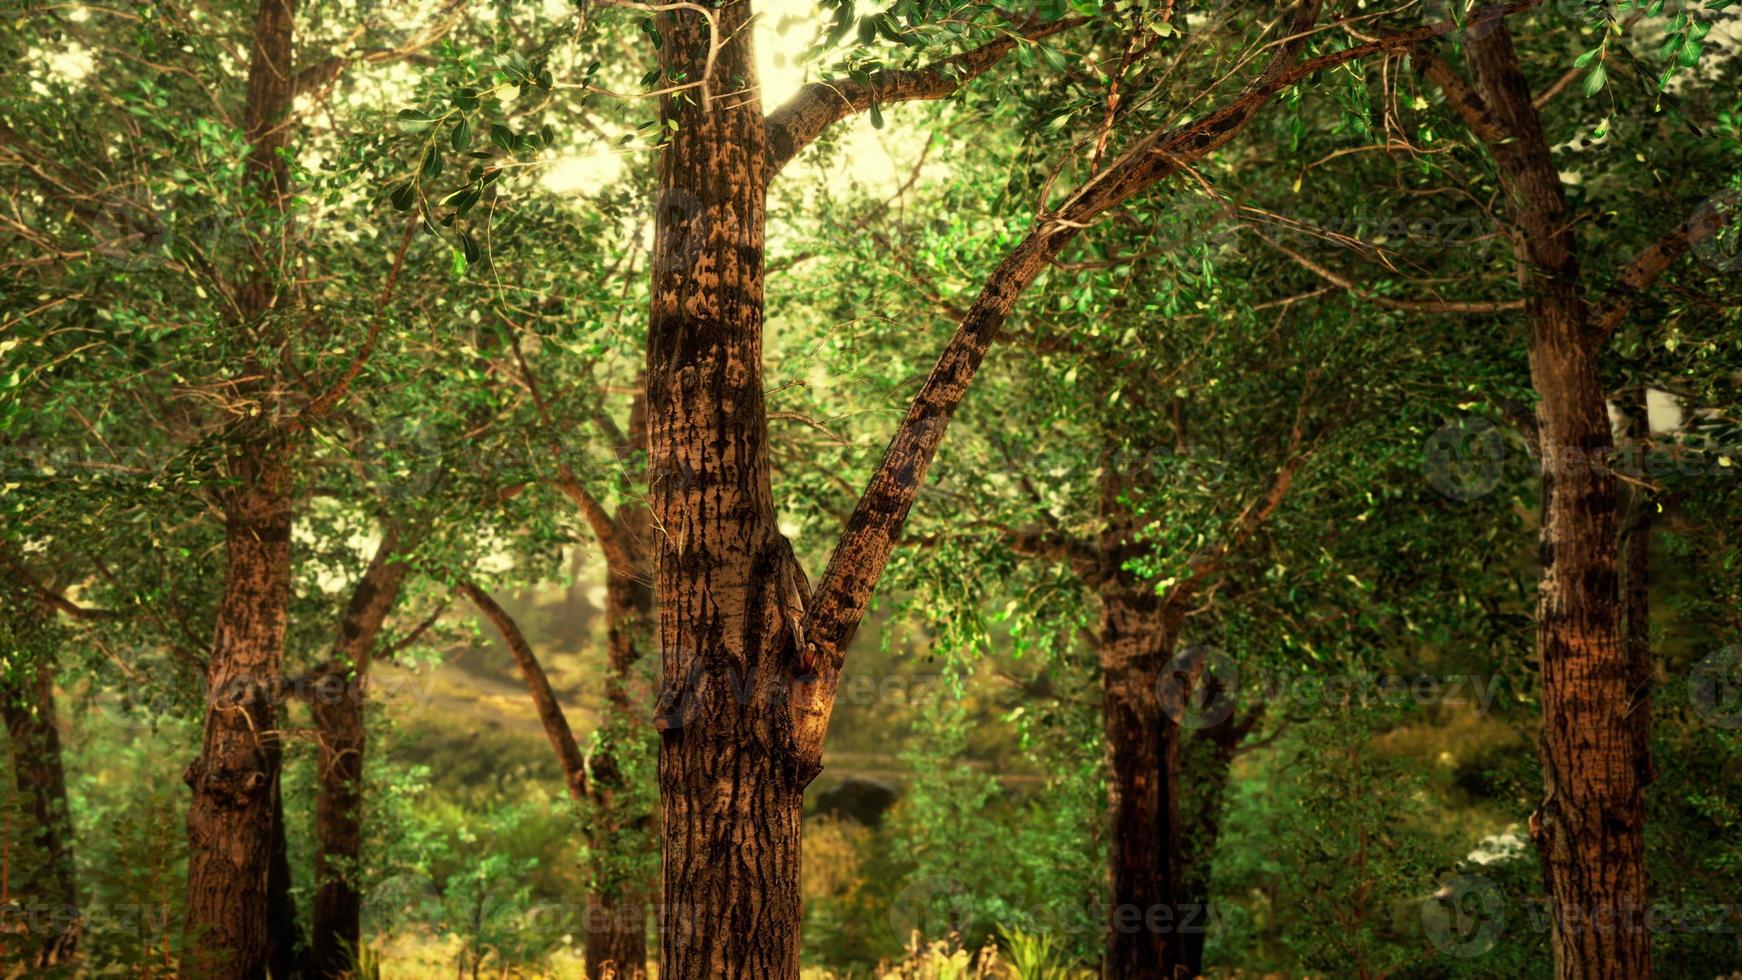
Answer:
(405, 196)
(432, 163)
(462, 137)
(412, 121)
(876, 116)
(1596, 79)
(502, 136)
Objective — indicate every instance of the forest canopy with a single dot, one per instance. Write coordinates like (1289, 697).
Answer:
(820, 489)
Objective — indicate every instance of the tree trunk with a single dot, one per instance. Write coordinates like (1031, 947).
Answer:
(235, 778)
(285, 958)
(1142, 744)
(1145, 914)
(1209, 762)
(1638, 509)
(36, 765)
(1590, 826)
(617, 908)
(731, 789)
(1138, 630)
(337, 701)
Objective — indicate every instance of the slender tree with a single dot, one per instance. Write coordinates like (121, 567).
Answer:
(1590, 824)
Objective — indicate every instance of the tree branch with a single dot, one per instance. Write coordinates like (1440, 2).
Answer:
(1648, 265)
(1385, 302)
(1460, 96)
(324, 402)
(47, 596)
(1081, 555)
(550, 713)
(844, 592)
(798, 122)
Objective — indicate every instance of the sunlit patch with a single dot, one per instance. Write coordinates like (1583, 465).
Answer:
(71, 64)
(588, 171)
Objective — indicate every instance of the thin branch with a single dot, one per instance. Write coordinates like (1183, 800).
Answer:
(1386, 302)
(324, 402)
(48, 596)
(550, 713)
(804, 117)
(1648, 265)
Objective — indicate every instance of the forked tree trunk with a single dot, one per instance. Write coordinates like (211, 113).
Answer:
(336, 699)
(750, 659)
(731, 796)
(52, 907)
(1590, 826)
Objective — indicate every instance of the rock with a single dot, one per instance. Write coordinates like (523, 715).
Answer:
(861, 800)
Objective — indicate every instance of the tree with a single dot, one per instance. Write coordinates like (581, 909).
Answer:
(1590, 825)
(751, 654)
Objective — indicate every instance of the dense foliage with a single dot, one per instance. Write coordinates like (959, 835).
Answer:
(1284, 401)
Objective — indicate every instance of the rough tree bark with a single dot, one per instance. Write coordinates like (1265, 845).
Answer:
(1590, 825)
(730, 796)
(336, 699)
(53, 911)
(1138, 630)
(235, 778)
